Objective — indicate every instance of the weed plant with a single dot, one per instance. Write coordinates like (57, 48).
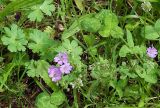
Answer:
(79, 53)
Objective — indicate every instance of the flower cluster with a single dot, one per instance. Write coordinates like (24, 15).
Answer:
(77, 83)
(64, 67)
(152, 52)
(146, 6)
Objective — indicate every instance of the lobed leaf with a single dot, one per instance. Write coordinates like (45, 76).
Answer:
(14, 38)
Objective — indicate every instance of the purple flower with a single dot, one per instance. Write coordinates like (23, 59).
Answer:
(66, 68)
(152, 52)
(55, 73)
(61, 58)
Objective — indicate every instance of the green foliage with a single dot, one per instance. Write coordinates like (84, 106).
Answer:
(135, 50)
(105, 23)
(124, 51)
(148, 72)
(103, 70)
(47, 7)
(79, 4)
(109, 24)
(130, 39)
(4, 75)
(14, 38)
(57, 98)
(40, 69)
(73, 50)
(36, 15)
(107, 49)
(90, 24)
(39, 41)
(150, 32)
(89, 40)
(43, 100)
(75, 27)
(127, 71)
(119, 86)
(17, 5)
(129, 48)
(36, 68)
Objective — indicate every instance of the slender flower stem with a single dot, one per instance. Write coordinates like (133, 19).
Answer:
(75, 98)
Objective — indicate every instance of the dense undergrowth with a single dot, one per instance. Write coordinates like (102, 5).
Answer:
(79, 53)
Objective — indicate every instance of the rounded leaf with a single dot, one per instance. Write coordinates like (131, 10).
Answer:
(90, 24)
(43, 101)
(150, 33)
(57, 98)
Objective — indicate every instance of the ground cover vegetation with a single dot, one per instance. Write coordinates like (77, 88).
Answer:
(79, 53)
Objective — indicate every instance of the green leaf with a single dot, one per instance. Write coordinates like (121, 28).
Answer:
(124, 51)
(157, 26)
(117, 32)
(57, 98)
(40, 69)
(148, 72)
(37, 68)
(79, 4)
(130, 39)
(103, 70)
(141, 103)
(89, 39)
(151, 78)
(150, 33)
(132, 91)
(125, 69)
(36, 15)
(141, 50)
(73, 50)
(90, 24)
(14, 38)
(17, 5)
(43, 100)
(75, 27)
(47, 7)
(119, 86)
(6, 72)
(40, 41)
(109, 21)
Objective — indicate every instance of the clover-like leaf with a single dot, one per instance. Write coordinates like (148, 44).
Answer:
(90, 24)
(109, 21)
(117, 32)
(14, 38)
(57, 98)
(149, 32)
(43, 100)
